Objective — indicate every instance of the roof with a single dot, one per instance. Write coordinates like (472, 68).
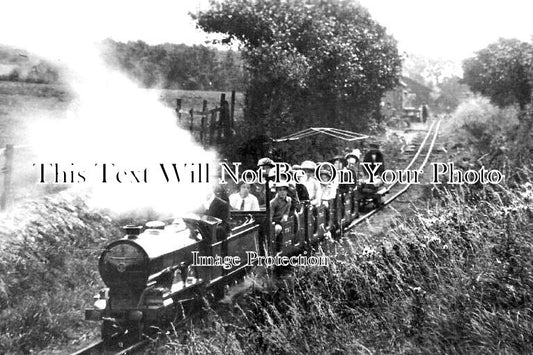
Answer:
(333, 132)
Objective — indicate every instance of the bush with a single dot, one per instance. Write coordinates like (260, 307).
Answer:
(478, 121)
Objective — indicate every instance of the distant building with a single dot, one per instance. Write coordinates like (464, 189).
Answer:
(409, 94)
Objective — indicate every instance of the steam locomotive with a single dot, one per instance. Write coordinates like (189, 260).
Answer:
(151, 277)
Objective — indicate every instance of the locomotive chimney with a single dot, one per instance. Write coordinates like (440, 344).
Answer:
(132, 231)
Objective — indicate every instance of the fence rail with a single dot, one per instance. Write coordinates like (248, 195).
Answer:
(212, 125)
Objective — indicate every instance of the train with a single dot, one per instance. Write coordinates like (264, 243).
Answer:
(153, 277)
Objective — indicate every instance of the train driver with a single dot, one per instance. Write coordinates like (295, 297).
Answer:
(218, 208)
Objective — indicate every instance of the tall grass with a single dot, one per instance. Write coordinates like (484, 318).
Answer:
(47, 271)
(457, 280)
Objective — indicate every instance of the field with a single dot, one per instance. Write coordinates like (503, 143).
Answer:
(447, 271)
(21, 103)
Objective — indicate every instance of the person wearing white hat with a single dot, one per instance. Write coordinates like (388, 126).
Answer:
(311, 183)
(329, 189)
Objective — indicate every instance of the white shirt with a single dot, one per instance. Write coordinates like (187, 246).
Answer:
(329, 191)
(250, 202)
(313, 188)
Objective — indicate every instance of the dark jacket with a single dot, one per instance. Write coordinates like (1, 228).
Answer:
(220, 209)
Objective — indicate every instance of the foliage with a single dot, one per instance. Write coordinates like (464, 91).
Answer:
(310, 62)
(429, 71)
(499, 138)
(450, 93)
(21, 66)
(502, 71)
(177, 66)
(47, 271)
(450, 281)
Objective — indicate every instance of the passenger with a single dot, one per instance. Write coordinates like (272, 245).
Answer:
(311, 183)
(280, 207)
(218, 208)
(352, 160)
(259, 188)
(244, 200)
(339, 162)
(301, 190)
(293, 194)
(329, 189)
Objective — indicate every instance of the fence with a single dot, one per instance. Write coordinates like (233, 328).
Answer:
(212, 126)
(209, 126)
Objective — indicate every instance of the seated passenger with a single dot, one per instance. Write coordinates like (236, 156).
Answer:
(352, 160)
(293, 194)
(301, 190)
(258, 189)
(329, 189)
(244, 200)
(311, 183)
(340, 162)
(280, 207)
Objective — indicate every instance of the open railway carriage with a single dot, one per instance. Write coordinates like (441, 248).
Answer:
(153, 276)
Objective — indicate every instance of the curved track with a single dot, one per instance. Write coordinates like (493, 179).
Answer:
(121, 346)
(434, 128)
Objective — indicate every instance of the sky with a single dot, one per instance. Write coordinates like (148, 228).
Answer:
(451, 29)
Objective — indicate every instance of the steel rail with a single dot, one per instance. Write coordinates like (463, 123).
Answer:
(98, 347)
(402, 191)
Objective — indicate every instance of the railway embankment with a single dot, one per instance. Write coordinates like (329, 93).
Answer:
(48, 252)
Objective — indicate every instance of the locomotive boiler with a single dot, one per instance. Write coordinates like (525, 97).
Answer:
(150, 276)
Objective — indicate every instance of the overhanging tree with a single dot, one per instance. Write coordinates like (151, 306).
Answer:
(502, 71)
(310, 62)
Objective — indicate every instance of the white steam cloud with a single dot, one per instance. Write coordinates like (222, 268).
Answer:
(110, 120)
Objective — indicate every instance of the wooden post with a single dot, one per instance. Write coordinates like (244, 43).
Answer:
(221, 116)
(191, 112)
(232, 109)
(212, 124)
(204, 115)
(8, 171)
(178, 109)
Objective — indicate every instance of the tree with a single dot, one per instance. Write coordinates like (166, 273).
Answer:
(174, 66)
(450, 93)
(502, 71)
(310, 62)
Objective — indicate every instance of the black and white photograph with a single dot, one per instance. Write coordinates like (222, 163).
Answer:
(266, 177)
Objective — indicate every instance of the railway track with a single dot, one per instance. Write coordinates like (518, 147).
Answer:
(433, 129)
(121, 345)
